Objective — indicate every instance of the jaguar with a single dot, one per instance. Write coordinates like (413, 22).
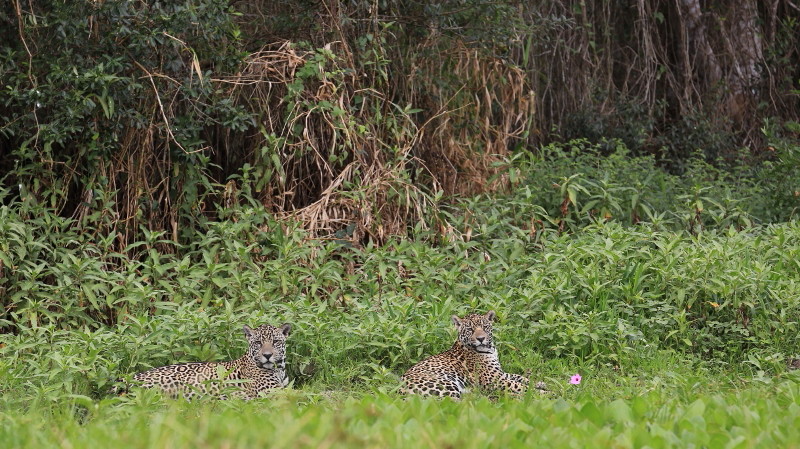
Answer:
(471, 361)
(260, 369)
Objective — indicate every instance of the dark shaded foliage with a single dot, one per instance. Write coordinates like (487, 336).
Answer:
(346, 115)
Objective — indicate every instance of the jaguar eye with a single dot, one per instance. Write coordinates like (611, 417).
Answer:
(257, 343)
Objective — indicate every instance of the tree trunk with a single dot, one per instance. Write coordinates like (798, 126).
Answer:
(726, 58)
(744, 46)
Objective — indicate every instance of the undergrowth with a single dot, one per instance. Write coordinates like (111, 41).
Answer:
(756, 417)
(673, 312)
(615, 259)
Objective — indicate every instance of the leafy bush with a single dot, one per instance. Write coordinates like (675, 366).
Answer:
(572, 185)
(157, 115)
(602, 295)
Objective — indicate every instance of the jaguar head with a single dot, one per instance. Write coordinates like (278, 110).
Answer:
(268, 345)
(475, 331)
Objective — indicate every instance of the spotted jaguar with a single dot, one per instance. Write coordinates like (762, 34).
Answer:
(261, 369)
(471, 361)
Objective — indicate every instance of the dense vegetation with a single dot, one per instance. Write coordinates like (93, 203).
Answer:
(170, 171)
(672, 312)
(760, 417)
(157, 115)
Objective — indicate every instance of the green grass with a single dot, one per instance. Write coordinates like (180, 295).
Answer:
(656, 398)
(756, 414)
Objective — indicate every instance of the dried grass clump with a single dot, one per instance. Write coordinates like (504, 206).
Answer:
(321, 156)
(489, 109)
(335, 152)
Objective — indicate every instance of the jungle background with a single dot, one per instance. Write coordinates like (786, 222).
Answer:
(157, 115)
(619, 180)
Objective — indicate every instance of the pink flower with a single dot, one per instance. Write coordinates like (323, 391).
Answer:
(575, 380)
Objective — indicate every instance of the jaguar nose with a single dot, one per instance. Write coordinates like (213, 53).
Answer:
(480, 339)
(267, 355)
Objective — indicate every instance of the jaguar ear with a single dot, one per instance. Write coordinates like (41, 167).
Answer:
(247, 331)
(456, 320)
(491, 315)
(286, 328)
